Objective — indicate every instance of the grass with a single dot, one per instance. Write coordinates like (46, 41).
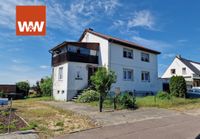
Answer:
(179, 104)
(49, 121)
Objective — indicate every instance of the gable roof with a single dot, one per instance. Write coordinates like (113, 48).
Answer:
(119, 41)
(189, 64)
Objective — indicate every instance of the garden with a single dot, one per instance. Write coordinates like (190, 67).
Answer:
(30, 113)
(98, 95)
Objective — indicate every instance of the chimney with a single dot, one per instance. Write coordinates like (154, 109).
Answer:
(90, 29)
(178, 56)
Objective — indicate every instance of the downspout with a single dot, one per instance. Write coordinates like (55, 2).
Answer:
(109, 54)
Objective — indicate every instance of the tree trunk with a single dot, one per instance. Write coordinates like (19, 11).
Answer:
(100, 103)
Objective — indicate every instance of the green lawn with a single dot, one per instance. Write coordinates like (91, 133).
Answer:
(179, 104)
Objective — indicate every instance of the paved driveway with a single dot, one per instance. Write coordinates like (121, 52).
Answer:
(107, 118)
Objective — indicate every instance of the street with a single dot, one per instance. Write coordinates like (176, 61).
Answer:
(181, 126)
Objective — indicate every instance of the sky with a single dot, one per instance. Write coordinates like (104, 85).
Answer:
(171, 27)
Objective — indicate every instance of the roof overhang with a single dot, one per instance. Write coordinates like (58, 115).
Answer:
(89, 45)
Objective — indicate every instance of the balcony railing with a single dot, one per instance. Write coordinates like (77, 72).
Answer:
(74, 57)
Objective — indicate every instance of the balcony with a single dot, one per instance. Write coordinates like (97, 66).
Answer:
(73, 57)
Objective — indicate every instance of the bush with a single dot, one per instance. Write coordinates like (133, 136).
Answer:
(2, 94)
(177, 86)
(23, 87)
(127, 100)
(163, 95)
(46, 86)
(88, 96)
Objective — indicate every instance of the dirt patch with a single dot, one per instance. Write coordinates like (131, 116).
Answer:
(51, 121)
(15, 124)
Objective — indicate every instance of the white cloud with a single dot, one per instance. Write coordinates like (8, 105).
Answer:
(7, 11)
(142, 18)
(153, 44)
(17, 61)
(74, 16)
(44, 67)
(182, 41)
(79, 14)
(169, 55)
(20, 68)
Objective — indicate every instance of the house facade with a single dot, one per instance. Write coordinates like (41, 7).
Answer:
(189, 69)
(74, 62)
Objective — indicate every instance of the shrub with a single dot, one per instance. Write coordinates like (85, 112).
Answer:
(102, 81)
(177, 86)
(2, 94)
(23, 87)
(163, 95)
(88, 96)
(127, 100)
(46, 86)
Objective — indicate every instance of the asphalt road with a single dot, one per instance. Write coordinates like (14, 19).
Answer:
(181, 126)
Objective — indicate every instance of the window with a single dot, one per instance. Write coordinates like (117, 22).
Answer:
(145, 76)
(127, 53)
(145, 57)
(173, 71)
(183, 70)
(60, 73)
(128, 74)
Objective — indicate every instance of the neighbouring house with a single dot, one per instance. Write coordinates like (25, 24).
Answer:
(74, 62)
(189, 69)
(11, 91)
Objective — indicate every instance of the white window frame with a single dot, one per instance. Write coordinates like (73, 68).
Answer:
(143, 76)
(127, 73)
(145, 57)
(60, 73)
(129, 53)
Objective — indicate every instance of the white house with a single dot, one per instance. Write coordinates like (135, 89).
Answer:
(190, 70)
(74, 62)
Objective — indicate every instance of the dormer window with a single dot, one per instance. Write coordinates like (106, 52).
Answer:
(127, 53)
(173, 71)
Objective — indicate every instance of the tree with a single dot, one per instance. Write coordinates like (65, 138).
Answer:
(102, 81)
(46, 86)
(177, 86)
(23, 87)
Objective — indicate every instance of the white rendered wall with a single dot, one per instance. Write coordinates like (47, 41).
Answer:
(103, 55)
(178, 65)
(74, 83)
(60, 85)
(118, 63)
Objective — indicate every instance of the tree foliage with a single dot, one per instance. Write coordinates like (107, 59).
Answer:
(177, 86)
(23, 87)
(102, 81)
(46, 86)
